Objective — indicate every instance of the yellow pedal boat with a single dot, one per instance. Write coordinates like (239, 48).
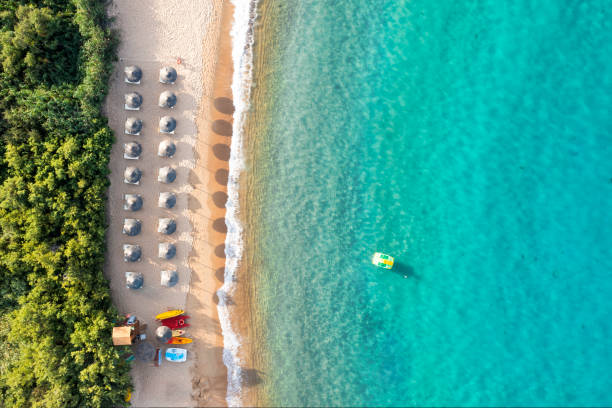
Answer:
(169, 314)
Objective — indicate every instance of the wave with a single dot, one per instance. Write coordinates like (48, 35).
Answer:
(242, 32)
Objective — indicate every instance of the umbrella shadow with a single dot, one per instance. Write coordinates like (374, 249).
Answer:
(220, 250)
(222, 127)
(224, 105)
(220, 274)
(219, 225)
(221, 151)
(221, 177)
(219, 197)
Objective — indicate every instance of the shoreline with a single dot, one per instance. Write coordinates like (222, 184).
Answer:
(207, 210)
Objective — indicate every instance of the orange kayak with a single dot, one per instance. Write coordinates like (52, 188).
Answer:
(180, 340)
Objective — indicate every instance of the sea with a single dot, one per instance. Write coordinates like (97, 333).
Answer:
(470, 140)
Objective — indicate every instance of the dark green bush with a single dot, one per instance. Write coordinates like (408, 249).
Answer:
(55, 61)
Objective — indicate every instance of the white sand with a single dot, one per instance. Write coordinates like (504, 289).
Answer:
(154, 33)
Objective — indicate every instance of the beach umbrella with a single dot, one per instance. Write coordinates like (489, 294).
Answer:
(166, 226)
(131, 226)
(167, 148)
(163, 334)
(169, 278)
(132, 175)
(132, 202)
(166, 175)
(167, 200)
(167, 99)
(131, 253)
(167, 75)
(133, 126)
(132, 150)
(133, 74)
(167, 124)
(144, 351)
(166, 250)
(134, 280)
(133, 100)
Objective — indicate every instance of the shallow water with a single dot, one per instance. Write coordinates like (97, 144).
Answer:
(473, 143)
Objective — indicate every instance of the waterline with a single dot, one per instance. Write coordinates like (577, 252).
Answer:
(242, 56)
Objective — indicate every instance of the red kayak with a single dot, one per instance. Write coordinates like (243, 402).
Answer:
(176, 322)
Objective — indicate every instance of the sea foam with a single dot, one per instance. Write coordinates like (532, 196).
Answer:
(245, 13)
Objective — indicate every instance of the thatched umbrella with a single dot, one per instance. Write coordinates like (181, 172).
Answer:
(166, 226)
(166, 250)
(169, 278)
(163, 334)
(132, 202)
(166, 175)
(131, 253)
(144, 351)
(133, 100)
(167, 75)
(167, 124)
(133, 74)
(167, 99)
(132, 150)
(166, 200)
(134, 280)
(132, 175)
(167, 148)
(133, 126)
(131, 226)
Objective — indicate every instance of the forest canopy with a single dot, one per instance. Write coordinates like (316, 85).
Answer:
(55, 309)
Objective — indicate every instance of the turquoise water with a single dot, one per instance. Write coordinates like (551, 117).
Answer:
(474, 143)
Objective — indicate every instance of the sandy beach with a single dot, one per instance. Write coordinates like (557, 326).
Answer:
(190, 37)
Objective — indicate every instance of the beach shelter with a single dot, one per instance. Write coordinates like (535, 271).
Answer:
(144, 351)
(133, 74)
(166, 200)
(132, 202)
(167, 99)
(132, 150)
(167, 148)
(166, 175)
(133, 126)
(132, 175)
(131, 226)
(133, 100)
(166, 250)
(131, 253)
(134, 280)
(123, 336)
(167, 124)
(163, 334)
(167, 75)
(169, 278)
(166, 226)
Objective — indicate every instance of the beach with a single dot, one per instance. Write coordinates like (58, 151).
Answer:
(187, 36)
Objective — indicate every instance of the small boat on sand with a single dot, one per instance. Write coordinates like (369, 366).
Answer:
(169, 314)
(382, 260)
(177, 333)
(179, 340)
(177, 322)
(177, 355)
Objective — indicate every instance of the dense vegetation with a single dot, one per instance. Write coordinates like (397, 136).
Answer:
(56, 314)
